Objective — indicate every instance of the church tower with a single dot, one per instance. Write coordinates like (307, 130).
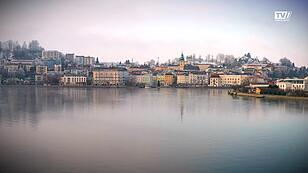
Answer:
(182, 62)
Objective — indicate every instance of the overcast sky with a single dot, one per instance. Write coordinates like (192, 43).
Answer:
(144, 30)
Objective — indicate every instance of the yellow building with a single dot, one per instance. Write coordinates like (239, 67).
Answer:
(110, 76)
(182, 78)
(160, 78)
(11, 68)
(231, 80)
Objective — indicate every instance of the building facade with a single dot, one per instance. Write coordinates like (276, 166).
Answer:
(51, 54)
(182, 79)
(293, 84)
(73, 80)
(41, 69)
(215, 81)
(198, 78)
(169, 79)
(110, 77)
(232, 80)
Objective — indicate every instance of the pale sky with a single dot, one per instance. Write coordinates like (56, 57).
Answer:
(144, 30)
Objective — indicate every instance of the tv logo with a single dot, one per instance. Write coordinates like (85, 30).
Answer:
(282, 15)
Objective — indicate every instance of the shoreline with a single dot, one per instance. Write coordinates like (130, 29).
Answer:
(128, 87)
(267, 96)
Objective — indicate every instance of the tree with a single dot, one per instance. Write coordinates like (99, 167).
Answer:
(24, 46)
(286, 62)
(20, 73)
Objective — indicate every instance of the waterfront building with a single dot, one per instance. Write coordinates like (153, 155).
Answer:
(146, 79)
(40, 79)
(293, 84)
(110, 76)
(182, 79)
(13, 65)
(198, 78)
(169, 79)
(73, 80)
(215, 81)
(231, 80)
(11, 68)
(160, 78)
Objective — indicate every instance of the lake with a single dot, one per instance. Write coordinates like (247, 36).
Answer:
(149, 130)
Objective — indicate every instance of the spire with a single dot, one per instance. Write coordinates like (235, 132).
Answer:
(182, 57)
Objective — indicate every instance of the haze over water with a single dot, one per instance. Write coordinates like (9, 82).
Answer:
(149, 130)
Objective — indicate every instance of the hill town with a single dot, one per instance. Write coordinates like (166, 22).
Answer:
(31, 64)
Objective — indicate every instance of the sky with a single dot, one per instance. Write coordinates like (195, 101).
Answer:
(116, 30)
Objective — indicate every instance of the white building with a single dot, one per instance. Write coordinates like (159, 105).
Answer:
(293, 84)
(84, 60)
(73, 80)
(51, 54)
(88, 61)
(198, 78)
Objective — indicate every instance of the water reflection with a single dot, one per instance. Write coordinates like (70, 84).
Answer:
(26, 103)
(148, 130)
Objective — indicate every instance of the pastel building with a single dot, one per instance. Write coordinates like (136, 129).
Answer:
(232, 80)
(110, 76)
(198, 78)
(182, 79)
(215, 81)
(169, 79)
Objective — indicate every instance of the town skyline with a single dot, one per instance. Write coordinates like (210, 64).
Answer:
(147, 30)
(209, 58)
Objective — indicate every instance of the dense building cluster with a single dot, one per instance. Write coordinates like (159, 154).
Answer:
(32, 65)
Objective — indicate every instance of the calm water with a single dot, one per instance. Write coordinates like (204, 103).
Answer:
(149, 130)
